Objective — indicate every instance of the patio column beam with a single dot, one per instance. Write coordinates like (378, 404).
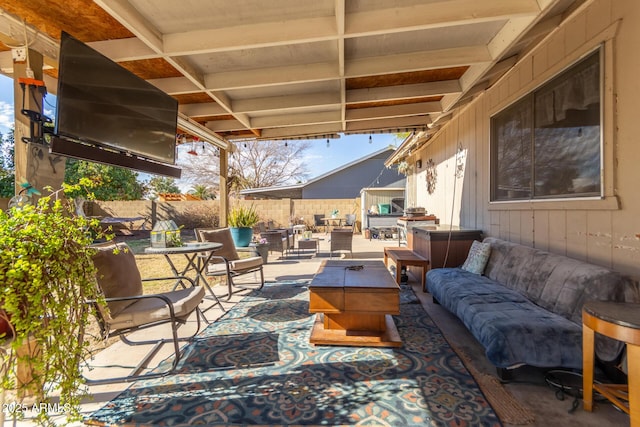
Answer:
(224, 196)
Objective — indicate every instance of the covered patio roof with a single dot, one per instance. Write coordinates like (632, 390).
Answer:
(295, 69)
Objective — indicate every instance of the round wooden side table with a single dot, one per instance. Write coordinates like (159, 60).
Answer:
(620, 321)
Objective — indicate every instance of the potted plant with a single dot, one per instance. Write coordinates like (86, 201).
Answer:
(46, 275)
(262, 248)
(241, 221)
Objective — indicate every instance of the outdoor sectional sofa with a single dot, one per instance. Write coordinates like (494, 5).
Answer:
(526, 309)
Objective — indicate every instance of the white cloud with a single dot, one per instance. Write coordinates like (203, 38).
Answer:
(6, 117)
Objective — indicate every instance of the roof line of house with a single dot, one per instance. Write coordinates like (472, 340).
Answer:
(319, 177)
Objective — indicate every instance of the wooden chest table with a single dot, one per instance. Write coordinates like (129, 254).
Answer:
(354, 301)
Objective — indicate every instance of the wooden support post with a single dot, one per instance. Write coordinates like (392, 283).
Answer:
(32, 161)
(224, 195)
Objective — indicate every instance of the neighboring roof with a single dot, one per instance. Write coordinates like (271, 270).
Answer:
(177, 197)
(295, 190)
(291, 69)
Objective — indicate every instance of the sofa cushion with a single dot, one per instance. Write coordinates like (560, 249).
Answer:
(477, 257)
(512, 329)
(555, 282)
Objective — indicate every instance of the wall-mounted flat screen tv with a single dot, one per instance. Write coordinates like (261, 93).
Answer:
(102, 104)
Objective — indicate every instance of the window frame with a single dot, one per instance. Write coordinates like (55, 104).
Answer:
(528, 99)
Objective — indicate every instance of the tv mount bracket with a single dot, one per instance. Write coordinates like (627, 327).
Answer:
(37, 120)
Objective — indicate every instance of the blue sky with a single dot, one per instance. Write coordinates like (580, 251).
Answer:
(319, 158)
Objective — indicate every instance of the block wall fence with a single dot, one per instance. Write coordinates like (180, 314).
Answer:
(192, 214)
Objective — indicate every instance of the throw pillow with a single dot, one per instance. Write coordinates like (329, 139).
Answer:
(478, 256)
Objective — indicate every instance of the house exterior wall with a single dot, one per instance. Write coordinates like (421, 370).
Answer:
(604, 232)
(347, 183)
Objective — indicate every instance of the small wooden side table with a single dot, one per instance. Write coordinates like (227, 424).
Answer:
(404, 257)
(620, 321)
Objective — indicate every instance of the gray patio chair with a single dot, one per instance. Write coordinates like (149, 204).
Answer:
(127, 310)
(341, 240)
(350, 221)
(278, 241)
(226, 263)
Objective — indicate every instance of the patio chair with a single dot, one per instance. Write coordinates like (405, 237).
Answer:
(128, 310)
(226, 262)
(278, 241)
(350, 221)
(341, 240)
(318, 222)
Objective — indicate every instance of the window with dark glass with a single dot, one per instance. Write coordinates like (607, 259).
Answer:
(548, 144)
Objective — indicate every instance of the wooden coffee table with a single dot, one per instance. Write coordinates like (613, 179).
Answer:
(354, 301)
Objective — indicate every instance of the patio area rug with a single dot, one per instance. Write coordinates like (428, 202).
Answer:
(255, 366)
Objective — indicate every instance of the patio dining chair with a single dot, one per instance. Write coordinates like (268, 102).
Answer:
(227, 263)
(318, 222)
(278, 241)
(341, 240)
(350, 221)
(128, 310)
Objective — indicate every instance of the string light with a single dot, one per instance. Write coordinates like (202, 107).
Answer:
(370, 139)
(327, 142)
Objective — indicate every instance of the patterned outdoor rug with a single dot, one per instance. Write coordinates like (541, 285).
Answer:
(255, 366)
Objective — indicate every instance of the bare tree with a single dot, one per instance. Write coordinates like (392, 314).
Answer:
(257, 164)
(254, 164)
(201, 169)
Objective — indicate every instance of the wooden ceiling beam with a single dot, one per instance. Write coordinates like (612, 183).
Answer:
(250, 36)
(393, 111)
(415, 61)
(289, 102)
(202, 109)
(121, 50)
(379, 65)
(299, 132)
(389, 123)
(287, 120)
(340, 10)
(273, 76)
(436, 15)
(388, 93)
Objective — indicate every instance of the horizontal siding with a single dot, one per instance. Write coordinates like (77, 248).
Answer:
(606, 234)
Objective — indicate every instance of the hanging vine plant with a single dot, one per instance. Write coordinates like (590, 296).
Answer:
(432, 176)
(46, 275)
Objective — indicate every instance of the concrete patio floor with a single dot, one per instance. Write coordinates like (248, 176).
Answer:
(528, 385)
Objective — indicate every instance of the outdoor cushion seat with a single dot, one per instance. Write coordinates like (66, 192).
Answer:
(237, 265)
(149, 310)
(226, 261)
(128, 310)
